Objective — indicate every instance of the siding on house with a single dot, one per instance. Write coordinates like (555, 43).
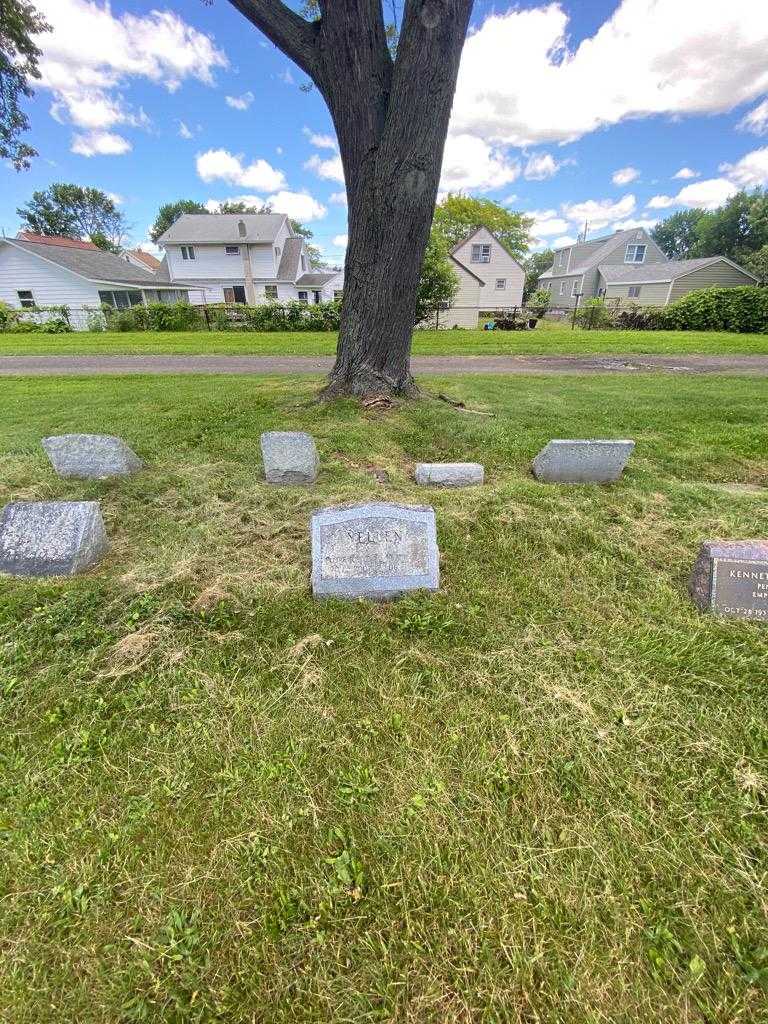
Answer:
(51, 285)
(720, 274)
(501, 265)
(211, 262)
(567, 300)
(650, 294)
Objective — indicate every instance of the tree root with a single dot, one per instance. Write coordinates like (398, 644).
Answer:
(368, 385)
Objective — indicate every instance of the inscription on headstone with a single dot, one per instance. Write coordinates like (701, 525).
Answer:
(730, 579)
(51, 538)
(375, 550)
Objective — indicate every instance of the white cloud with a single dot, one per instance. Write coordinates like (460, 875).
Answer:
(686, 173)
(100, 144)
(661, 202)
(563, 240)
(470, 163)
(91, 53)
(339, 198)
(625, 175)
(639, 222)
(240, 102)
(149, 246)
(331, 169)
(756, 121)
(541, 166)
(184, 131)
(750, 171)
(220, 164)
(340, 241)
(600, 212)
(299, 205)
(547, 222)
(116, 198)
(320, 141)
(650, 57)
(706, 195)
(286, 76)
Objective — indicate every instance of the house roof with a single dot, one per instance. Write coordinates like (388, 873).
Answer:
(649, 273)
(60, 240)
(289, 260)
(92, 264)
(595, 256)
(223, 227)
(146, 258)
(317, 278)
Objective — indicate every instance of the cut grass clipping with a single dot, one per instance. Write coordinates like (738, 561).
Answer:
(539, 795)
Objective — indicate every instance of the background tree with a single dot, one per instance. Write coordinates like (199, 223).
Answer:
(534, 265)
(459, 214)
(19, 21)
(391, 118)
(757, 263)
(169, 213)
(677, 236)
(76, 212)
(438, 282)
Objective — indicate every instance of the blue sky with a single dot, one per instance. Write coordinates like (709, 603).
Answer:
(582, 109)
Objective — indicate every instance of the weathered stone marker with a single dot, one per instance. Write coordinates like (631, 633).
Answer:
(376, 550)
(449, 474)
(582, 462)
(730, 578)
(91, 456)
(51, 538)
(290, 457)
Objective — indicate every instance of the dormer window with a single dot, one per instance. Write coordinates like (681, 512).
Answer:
(187, 252)
(481, 254)
(562, 258)
(635, 254)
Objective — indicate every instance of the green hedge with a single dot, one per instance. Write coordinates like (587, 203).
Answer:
(743, 310)
(35, 320)
(272, 316)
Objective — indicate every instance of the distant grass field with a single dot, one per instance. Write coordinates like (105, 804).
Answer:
(537, 796)
(547, 338)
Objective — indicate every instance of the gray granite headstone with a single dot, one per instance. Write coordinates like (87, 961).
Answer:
(582, 462)
(375, 550)
(290, 457)
(51, 538)
(91, 456)
(730, 578)
(449, 474)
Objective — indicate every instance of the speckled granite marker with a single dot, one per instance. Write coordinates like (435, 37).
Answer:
(582, 462)
(290, 457)
(449, 474)
(730, 578)
(91, 456)
(51, 538)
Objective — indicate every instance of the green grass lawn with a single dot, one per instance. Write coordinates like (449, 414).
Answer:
(539, 795)
(547, 338)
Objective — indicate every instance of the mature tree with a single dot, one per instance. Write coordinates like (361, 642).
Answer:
(677, 236)
(75, 211)
(534, 266)
(19, 21)
(170, 212)
(757, 263)
(726, 231)
(438, 282)
(391, 118)
(459, 214)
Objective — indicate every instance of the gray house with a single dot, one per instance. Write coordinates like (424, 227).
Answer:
(628, 267)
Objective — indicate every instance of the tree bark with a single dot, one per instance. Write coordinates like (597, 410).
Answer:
(391, 120)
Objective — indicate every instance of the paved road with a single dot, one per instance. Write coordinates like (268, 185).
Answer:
(95, 365)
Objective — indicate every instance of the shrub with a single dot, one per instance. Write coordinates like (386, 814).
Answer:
(539, 302)
(640, 318)
(594, 314)
(742, 310)
(276, 316)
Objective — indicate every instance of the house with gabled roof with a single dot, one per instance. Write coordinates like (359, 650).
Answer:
(629, 267)
(250, 257)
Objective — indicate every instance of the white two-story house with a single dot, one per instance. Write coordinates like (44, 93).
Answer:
(489, 278)
(251, 258)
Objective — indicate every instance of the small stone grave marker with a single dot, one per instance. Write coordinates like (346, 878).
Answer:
(51, 538)
(730, 578)
(91, 456)
(449, 474)
(374, 550)
(582, 462)
(290, 457)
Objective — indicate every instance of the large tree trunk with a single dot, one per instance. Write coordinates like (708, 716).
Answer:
(391, 119)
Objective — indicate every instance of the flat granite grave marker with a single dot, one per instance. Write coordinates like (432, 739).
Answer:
(582, 462)
(449, 474)
(51, 538)
(290, 457)
(91, 456)
(374, 550)
(730, 578)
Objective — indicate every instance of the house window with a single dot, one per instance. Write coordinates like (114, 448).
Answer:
(234, 294)
(634, 291)
(481, 254)
(187, 252)
(303, 297)
(501, 282)
(270, 291)
(231, 250)
(121, 300)
(635, 254)
(337, 293)
(575, 288)
(26, 299)
(563, 287)
(561, 259)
